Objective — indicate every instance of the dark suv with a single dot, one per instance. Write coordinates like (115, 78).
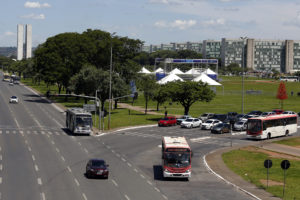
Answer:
(96, 167)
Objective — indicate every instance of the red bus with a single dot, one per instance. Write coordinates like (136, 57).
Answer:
(272, 126)
(177, 157)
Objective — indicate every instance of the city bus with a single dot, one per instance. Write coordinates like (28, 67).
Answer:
(6, 77)
(79, 121)
(176, 157)
(289, 78)
(272, 126)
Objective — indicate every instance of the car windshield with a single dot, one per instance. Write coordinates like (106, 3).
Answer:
(177, 159)
(13, 97)
(254, 125)
(240, 123)
(83, 121)
(98, 163)
(209, 121)
(189, 120)
(165, 118)
(204, 115)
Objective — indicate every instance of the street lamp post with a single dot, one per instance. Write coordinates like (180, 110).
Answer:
(110, 71)
(243, 61)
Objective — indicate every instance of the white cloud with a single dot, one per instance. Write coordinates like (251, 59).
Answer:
(33, 16)
(9, 33)
(215, 22)
(29, 4)
(179, 24)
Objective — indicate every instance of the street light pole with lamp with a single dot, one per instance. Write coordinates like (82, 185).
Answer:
(110, 72)
(243, 63)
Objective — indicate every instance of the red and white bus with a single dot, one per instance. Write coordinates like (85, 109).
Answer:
(177, 157)
(272, 126)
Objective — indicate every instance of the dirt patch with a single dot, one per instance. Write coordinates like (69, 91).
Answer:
(261, 81)
(270, 182)
(272, 154)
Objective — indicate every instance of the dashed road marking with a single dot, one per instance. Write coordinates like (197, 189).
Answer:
(156, 189)
(136, 170)
(165, 197)
(86, 150)
(142, 175)
(33, 158)
(57, 150)
(114, 182)
(123, 159)
(0, 180)
(62, 158)
(126, 197)
(29, 148)
(36, 168)
(118, 155)
(149, 183)
(85, 198)
(69, 169)
(1, 167)
(43, 197)
(129, 164)
(52, 142)
(76, 181)
(39, 180)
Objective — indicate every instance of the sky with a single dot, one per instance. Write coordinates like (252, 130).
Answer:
(153, 21)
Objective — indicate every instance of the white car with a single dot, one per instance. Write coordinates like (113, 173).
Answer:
(191, 122)
(13, 99)
(210, 123)
(240, 125)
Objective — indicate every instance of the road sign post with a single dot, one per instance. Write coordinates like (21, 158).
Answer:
(285, 164)
(268, 164)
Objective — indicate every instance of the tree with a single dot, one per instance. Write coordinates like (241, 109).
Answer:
(187, 93)
(147, 84)
(160, 95)
(281, 93)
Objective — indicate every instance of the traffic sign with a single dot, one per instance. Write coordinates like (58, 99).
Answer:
(268, 163)
(285, 164)
(89, 107)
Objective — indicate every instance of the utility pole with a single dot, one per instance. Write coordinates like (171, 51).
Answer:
(110, 72)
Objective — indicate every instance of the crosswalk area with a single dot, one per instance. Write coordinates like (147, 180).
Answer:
(31, 132)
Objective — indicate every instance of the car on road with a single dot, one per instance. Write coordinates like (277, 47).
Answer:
(289, 113)
(265, 114)
(240, 125)
(221, 128)
(182, 118)
(13, 99)
(97, 168)
(191, 123)
(210, 123)
(167, 121)
(278, 111)
(206, 116)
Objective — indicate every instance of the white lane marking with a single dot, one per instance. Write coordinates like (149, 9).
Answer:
(21, 132)
(142, 175)
(126, 197)
(69, 169)
(7, 132)
(114, 182)
(136, 170)
(39, 180)
(50, 133)
(0, 157)
(129, 164)
(0, 131)
(57, 150)
(43, 132)
(26, 142)
(149, 182)
(52, 142)
(62, 158)
(38, 123)
(36, 168)
(108, 147)
(113, 151)
(118, 155)
(86, 150)
(156, 189)
(1, 167)
(33, 158)
(29, 148)
(14, 132)
(84, 196)
(17, 123)
(79, 143)
(48, 136)
(0, 180)
(43, 197)
(123, 159)
(164, 197)
(0, 148)
(57, 133)
(199, 139)
(76, 181)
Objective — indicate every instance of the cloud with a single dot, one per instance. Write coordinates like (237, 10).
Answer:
(293, 22)
(215, 22)
(179, 24)
(29, 4)
(34, 16)
(9, 33)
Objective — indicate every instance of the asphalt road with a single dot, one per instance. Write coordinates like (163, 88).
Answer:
(39, 160)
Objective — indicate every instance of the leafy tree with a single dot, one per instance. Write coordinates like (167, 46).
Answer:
(281, 93)
(160, 95)
(187, 93)
(147, 84)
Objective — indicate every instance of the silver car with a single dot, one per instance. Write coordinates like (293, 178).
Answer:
(210, 123)
(240, 125)
(13, 99)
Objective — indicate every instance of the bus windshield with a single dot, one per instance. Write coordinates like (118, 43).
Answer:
(254, 125)
(177, 160)
(83, 121)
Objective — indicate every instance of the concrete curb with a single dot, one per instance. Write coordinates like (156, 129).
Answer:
(226, 181)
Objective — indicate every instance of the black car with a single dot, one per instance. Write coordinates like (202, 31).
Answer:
(96, 167)
(221, 128)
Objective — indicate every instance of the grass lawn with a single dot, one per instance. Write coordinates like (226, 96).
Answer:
(295, 142)
(250, 165)
(231, 99)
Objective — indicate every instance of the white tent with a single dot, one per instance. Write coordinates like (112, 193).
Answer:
(205, 79)
(144, 71)
(169, 78)
(159, 70)
(209, 71)
(176, 71)
(193, 72)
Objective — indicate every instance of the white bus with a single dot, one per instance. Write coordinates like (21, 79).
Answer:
(272, 126)
(289, 78)
(79, 121)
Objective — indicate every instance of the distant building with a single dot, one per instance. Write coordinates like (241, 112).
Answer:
(20, 41)
(24, 51)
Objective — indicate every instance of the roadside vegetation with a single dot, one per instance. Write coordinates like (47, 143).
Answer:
(248, 162)
(294, 142)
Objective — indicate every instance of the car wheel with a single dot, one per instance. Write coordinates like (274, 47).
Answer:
(286, 133)
(269, 136)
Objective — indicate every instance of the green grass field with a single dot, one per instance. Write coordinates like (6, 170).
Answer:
(250, 166)
(295, 142)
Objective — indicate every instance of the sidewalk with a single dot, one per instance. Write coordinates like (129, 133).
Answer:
(215, 162)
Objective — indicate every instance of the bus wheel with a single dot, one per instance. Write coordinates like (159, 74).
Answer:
(269, 136)
(286, 132)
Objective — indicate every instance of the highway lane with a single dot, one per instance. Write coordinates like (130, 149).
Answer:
(59, 159)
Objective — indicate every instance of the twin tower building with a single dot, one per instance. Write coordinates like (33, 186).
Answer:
(24, 50)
